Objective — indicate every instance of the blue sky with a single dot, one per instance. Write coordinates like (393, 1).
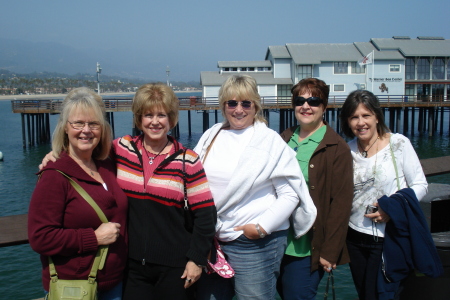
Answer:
(192, 36)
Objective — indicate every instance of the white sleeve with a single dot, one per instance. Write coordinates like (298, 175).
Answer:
(282, 208)
(414, 176)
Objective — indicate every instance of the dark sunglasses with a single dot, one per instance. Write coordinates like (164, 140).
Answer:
(246, 104)
(312, 101)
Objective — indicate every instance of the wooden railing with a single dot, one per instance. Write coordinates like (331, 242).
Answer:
(205, 103)
(13, 229)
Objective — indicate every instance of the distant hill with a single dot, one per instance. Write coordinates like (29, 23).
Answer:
(29, 57)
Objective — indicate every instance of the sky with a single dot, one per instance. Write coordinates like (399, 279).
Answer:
(192, 36)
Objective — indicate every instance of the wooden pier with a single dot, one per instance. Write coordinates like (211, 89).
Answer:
(430, 113)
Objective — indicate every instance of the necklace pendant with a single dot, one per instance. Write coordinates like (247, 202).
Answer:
(150, 162)
(364, 154)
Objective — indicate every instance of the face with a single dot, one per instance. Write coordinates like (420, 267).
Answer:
(309, 117)
(363, 123)
(82, 142)
(155, 124)
(240, 117)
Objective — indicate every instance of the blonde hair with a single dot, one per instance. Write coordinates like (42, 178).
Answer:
(151, 96)
(241, 87)
(86, 101)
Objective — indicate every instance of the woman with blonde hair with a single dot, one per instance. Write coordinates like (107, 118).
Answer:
(61, 223)
(257, 185)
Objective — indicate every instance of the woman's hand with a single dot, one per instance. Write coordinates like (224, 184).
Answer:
(191, 274)
(46, 159)
(327, 266)
(107, 233)
(379, 216)
(250, 231)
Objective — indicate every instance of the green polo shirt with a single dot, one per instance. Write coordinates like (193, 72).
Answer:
(302, 247)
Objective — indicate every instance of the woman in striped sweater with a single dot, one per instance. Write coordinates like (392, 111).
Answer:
(165, 258)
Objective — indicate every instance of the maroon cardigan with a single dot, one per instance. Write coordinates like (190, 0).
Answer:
(61, 223)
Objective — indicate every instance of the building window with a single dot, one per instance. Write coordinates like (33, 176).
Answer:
(341, 68)
(304, 72)
(226, 69)
(284, 93)
(268, 69)
(410, 90)
(357, 69)
(410, 71)
(423, 68)
(339, 88)
(394, 68)
(260, 69)
(243, 69)
(251, 69)
(438, 68)
(234, 69)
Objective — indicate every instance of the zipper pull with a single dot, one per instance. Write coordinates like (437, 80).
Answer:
(143, 261)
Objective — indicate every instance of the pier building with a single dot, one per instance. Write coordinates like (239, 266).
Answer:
(417, 69)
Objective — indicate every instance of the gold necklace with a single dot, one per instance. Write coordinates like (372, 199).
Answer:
(364, 152)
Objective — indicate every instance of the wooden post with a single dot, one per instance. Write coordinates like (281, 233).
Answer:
(430, 121)
(205, 120)
(24, 140)
(189, 122)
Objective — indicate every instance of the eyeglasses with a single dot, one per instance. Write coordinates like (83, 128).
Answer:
(312, 101)
(232, 104)
(78, 125)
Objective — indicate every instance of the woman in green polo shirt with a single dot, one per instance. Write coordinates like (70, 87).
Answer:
(326, 164)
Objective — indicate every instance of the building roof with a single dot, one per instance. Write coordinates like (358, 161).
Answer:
(304, 54)
(366, 47)
(278, 52)
(249, 63)
(216, 79)
(422, 46)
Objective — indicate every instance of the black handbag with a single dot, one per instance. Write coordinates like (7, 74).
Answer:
(188, 215)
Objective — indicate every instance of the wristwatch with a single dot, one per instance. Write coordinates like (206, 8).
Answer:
(261, 234)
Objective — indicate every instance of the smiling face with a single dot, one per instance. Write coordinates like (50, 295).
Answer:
(155, 124)
(363, 123)
(309, 117)
(239, 117)
(82, 142)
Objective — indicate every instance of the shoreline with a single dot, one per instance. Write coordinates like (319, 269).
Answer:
(61, 96)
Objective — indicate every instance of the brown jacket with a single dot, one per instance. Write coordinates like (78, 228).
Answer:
(330, 174)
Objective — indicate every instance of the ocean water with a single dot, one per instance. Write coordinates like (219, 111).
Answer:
(20, 270)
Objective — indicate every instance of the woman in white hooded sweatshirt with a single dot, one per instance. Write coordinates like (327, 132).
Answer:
(257, 185)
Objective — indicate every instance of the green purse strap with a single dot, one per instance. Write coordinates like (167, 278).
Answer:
(395, 164)
(100, 257)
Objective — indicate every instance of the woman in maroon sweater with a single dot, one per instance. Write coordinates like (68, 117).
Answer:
(61, 224)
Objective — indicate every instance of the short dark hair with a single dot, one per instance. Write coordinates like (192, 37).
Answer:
(370, 101)
(314, 86)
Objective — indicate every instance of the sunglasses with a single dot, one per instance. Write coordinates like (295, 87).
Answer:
(246, 104)
(312, 101)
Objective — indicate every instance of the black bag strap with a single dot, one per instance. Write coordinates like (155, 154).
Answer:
(330, 277)
(186, 203)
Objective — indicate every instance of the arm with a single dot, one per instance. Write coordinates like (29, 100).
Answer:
(336, 222)
(46, 230)
(204, 211)
(412, 169)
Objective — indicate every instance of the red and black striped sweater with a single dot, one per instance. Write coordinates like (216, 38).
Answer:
(156, 217)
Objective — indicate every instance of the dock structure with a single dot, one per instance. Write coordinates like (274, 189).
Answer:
(402, 113)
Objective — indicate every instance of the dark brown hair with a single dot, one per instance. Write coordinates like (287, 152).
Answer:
(370, 101)
(314, 86)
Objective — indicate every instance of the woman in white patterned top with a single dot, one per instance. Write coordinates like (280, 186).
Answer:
(378, 156)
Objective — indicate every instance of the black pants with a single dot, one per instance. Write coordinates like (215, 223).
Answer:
(151, 281)
(365, 259)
